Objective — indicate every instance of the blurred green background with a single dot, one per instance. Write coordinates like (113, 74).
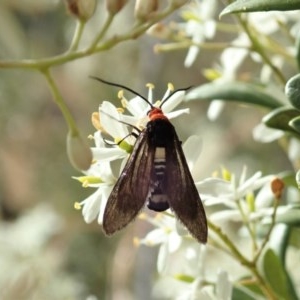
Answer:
(47, 250)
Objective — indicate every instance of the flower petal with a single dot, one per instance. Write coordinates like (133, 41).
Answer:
(173, 101)
(109, 117)
(214, 110)
(264, 134)
(91, 206)
(176, 113)
(192, 149)
(108, 154)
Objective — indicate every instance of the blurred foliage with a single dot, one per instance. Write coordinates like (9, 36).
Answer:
(34, 167)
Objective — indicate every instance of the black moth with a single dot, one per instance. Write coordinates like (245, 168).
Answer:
(156, 173)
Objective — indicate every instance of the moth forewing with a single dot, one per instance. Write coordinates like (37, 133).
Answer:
(183, 195)
(129, 193)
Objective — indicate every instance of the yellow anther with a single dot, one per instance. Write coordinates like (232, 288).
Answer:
(120, 110)
(96, 120)
(170, 87)
(124, 102)
(121, 94)
(85, 184)
(136, 241)
(157, 103)
(77, 205)
(150, 86)
(226, 174)
(142, 216)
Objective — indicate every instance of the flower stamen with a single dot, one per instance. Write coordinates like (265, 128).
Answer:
(77, 206)
(150, 87)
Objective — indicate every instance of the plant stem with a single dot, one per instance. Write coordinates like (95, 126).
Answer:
(102, 32)
(73, 130)
(250, 265)
(46, 63)
(257, 47)
(77, 35)
(273, 218)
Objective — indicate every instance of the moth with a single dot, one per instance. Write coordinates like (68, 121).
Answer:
(156, 174)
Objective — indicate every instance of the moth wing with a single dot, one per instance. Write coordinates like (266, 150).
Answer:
(182, 193)
(130, 192)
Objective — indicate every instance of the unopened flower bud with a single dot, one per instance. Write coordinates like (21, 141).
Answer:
(277, 186)
(144, 9)
(81, 9)
(114, 6)
(159, 30)
(79, 153)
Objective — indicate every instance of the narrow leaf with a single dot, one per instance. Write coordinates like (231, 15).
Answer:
(260, 5)
(279, 118)
(292, 90)
(298, 178)
(241, 292)
(234, 91)
(279, 242)
(275, 274)
(295, 123)
(298, 49)
(290, 217)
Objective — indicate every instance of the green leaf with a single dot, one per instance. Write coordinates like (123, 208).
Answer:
(295, 123)
(241, 292)
(279, 118)
(298, 178)
(288, 178)
(290, 217)
(298, 49)
(234, 91)
(275, 274)
(260, 5)
(279, 242)
(247, 289)
(292, 90)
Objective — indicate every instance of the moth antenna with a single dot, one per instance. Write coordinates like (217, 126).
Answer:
(123, 139)
(182, 89)
(122, 87)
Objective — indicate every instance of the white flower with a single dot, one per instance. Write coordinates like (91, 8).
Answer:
(223, 289)
(294, 149)
(200, 26)
(98, 176)
(271, 22)
(164, 235)
(230, 60)
(232, 194)
(265, 134)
